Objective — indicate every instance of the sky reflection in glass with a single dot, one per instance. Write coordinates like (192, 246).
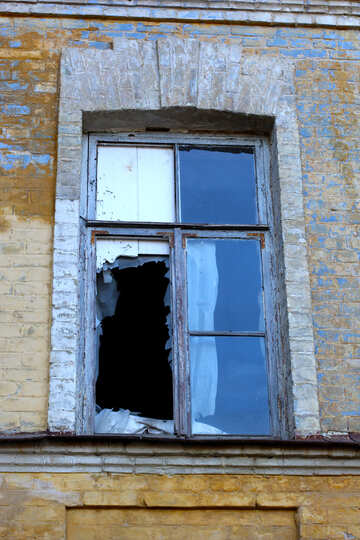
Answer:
(217, 186)
(224, 276)
(241, 402)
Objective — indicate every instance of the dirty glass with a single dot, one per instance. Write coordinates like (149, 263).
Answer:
(230, 394)
(224, 285)
(217, 185)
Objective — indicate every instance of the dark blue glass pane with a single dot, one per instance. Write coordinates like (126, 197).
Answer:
(224, 285)
(217, 186)
(229, 392)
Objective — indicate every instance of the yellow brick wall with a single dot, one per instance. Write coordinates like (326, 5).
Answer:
(103, 506)
(327, 83)
(177, 524)
(128, 507)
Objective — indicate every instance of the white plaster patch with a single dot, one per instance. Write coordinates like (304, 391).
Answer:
(45, 490)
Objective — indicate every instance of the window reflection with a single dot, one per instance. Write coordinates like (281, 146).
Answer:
(231, 395)
(217, 185)
(224, 285)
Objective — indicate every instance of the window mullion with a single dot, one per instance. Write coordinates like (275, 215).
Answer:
(92, 169)
(226, 333)
(88, 350)
(177, 183)
(181, 375)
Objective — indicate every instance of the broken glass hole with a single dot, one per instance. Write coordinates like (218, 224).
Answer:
(134, 372)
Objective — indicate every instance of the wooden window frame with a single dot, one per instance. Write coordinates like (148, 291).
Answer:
(176, 234)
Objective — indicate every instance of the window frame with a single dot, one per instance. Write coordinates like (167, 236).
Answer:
(176, 234)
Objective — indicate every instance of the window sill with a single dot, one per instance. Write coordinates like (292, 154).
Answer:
(124, 455)
(312, 441)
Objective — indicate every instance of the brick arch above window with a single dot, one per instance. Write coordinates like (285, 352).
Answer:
(205, 85)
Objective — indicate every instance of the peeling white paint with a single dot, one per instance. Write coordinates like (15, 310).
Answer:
(135, 184)
(108, 250)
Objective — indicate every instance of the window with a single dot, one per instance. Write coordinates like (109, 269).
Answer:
(178, 306)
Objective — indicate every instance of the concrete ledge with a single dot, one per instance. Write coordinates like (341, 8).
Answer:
(342, 14)
(153, 457)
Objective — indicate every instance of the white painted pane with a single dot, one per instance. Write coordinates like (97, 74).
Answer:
(110, 250)
(156, 184)
(135, 184)
(117, 183)
(153, 247)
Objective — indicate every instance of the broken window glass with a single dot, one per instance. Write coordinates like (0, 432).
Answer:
(134, 391)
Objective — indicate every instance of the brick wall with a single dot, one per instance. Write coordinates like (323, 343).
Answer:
(327, 79)
(39, 505)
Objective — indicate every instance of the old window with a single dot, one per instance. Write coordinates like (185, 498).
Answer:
(180, 339)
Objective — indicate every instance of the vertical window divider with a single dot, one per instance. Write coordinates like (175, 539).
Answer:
(267, 269)
(89, 347)
(182, 398)
(177, 183)
(92, 164)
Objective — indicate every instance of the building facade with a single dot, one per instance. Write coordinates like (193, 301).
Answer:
(110, 116)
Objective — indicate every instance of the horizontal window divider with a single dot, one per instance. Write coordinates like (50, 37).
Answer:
(169, 139)
(184, 226)
(139, 236)
(225, 333)
(131, 233)
(234, 437)
(139, 144)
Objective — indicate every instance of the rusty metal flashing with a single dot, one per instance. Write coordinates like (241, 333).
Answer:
(95, 233)
(261, 236)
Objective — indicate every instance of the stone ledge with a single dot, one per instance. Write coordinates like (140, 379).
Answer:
(152, 457)
(343, 14)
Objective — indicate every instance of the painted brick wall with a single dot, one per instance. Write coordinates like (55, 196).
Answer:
(59, 506)
(327, 79)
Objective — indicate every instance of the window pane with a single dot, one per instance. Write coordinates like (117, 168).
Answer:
(135, 184)
(229, 385)
(224, 285)
(217, 186)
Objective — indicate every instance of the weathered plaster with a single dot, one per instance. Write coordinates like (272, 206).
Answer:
(105, 505)
(343, 13)
(151, 457)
